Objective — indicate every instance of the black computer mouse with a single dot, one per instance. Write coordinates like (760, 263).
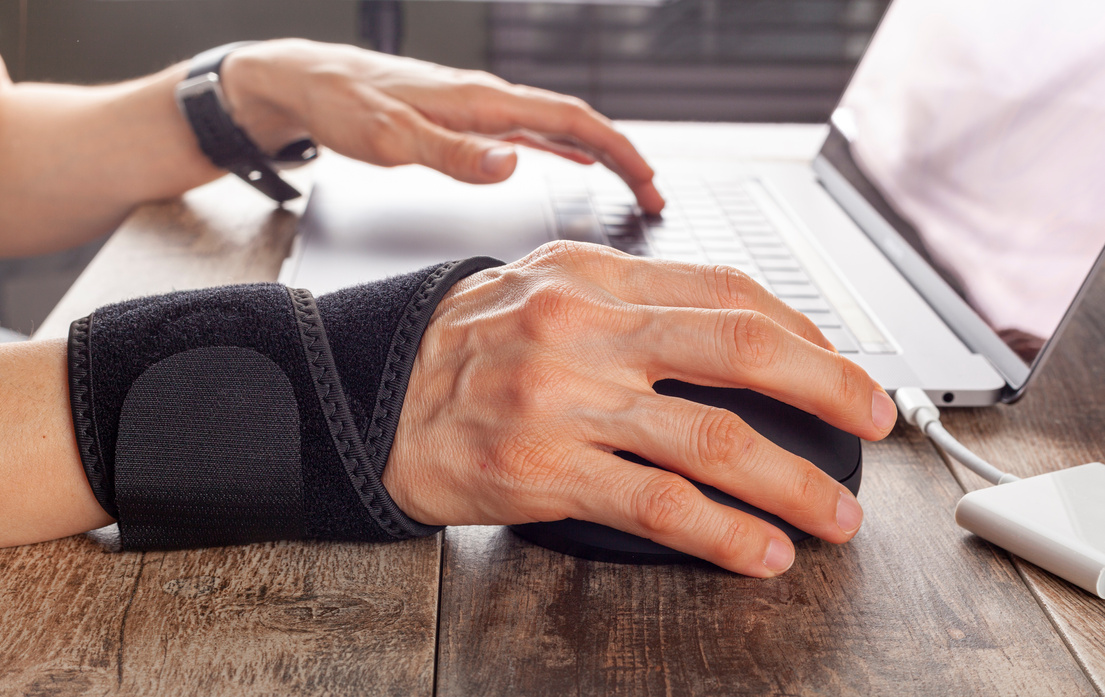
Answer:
(836, 452)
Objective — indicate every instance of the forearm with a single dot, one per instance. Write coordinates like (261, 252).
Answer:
(43, 490)
(75, 160)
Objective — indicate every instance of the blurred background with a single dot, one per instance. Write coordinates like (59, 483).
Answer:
(697, 60)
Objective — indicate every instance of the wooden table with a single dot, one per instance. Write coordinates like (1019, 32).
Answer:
(912, 605)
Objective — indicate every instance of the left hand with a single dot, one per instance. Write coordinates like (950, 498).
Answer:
(393, 111)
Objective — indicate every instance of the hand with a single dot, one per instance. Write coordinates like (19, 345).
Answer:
(531, 375)
(395, 111)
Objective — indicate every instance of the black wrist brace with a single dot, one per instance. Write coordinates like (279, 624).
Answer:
(250, 413)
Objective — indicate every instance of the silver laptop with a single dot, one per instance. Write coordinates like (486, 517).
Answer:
(941, 237)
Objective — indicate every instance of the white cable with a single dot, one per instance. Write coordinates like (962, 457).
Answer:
(918, 410)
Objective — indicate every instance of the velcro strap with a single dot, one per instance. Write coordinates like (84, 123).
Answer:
(208, 452)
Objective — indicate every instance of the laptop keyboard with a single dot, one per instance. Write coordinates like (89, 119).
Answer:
(717, 222)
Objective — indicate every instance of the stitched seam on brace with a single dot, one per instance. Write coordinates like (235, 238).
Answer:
(335, 409)
(84, 425)
(386, 396)
(403, 350)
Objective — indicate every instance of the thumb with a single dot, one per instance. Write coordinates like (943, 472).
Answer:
(465, 157)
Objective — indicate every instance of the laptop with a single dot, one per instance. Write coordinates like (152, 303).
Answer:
(941, 237)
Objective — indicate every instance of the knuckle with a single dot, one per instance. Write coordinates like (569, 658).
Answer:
(562, 253)
(849, 385)
(663, 504)
(811, 329)
(806, 490)
(733, 543)
(477, 86)
(576, 105)
(723, 439)
(733, 287)
(392, 119)
(520, 461)
(549, 310)
(484, 79)
(457, 156)
(755, 339)
(573, 111)
(389, 129)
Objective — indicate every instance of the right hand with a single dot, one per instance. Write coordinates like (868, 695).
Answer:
(531, 375)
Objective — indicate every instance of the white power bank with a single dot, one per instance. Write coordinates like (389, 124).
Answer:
(1056, 521)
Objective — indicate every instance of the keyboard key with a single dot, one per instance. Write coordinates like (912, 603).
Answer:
(767, 249)
(708, 222)
(732, 257)
(674, 236)
(753, 229)
(808, 304)
(770, 263)
(676, 226)
(721, 244)
(665, 248)
(624, 233)
(579, 227)
(739, 206)
(573, 206)
(636, 247)
(686, 257)
(741, 214)
(750, 269)
(785, 277)
(786, 291)
(618, 219)
(715, 232)
(757, 235)
(841, 339)
(824, 319)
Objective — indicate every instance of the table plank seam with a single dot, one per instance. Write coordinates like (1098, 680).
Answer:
(1018, 564)
(123, 622)
(437, 620)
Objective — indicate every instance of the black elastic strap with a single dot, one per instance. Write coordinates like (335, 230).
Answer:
(223, 142)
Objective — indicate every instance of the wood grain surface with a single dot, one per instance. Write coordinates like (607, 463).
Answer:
(1060, 423)
(905, 608)
(290, 618)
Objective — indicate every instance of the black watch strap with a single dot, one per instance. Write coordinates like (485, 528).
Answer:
(201, 100)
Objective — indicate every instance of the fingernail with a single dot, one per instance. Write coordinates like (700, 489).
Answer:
(849, 515)
(779, 556)
(883, 412)
(494, 159)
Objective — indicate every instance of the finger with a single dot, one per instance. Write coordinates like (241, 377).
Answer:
(653, 282)
(465, 157)
(669, 510)
(745, 348)
(716, 447)
(569, 120)
(675, 284)
(536, 142)
(395, 134)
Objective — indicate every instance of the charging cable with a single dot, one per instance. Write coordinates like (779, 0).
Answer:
(918, 410)
(1052, 520)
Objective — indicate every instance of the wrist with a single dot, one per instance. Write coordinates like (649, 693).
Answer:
(262, 90)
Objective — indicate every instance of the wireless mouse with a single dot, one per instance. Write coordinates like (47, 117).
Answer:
(836, 452)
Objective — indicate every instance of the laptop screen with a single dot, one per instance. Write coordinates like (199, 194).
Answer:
(977, 130)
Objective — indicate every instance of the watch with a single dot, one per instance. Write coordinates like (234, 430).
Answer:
(201, 100)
